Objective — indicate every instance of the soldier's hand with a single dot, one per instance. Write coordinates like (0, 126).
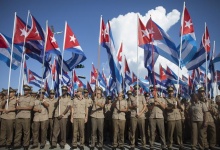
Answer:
(86, 119)
(39, 110)
(60, 117)
(6, 111)
(138, 115)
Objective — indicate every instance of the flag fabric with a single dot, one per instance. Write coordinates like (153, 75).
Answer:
(119, 56)
(92, 78)
(102, 81)
(47, 88)
(65, 80)
(134, 77)
(36, 32)
(95, 72)
(5, 52)
(127, 73)
(162, 74)
(35, 79)
(88, 87)
(162, 42)
(20, 31)
(200, 57)
(25, 78)
(71, 44)
(51, 45)
(189, 46)
(77, 81)
(108, 43)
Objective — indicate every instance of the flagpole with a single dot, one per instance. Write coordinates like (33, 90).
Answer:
(206, 66)
(21, 75)
(12, 48)
(137, 67)
(181, 38)
(99, 47)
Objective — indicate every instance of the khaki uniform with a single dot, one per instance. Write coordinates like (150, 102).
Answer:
(60, 124)
(108, 122)
(140, 121)
(197, 111)
(211, 128)
(79, 115)
(23, 122)
(173, 122)
(7, 124)
(156, 119)
(88, 123)
(97, 120)
(118, 119)
(40, 121)
(51, 109)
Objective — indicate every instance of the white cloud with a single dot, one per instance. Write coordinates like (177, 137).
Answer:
(124, 29)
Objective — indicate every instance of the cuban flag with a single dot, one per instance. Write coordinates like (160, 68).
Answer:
(35, 79)
(162, 43)
(127, 73)
(200, 57)
(71, 44)
(189, 46)
(77, 82)
(107, 42)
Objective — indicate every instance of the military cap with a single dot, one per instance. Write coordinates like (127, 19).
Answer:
(201, 89)
(170, 88)
(109, 97)
(146, 94)
(85, 91)
(33, 93)
(217, 98)
(136, 87)
(52, 91)
(129, 92)
(99, 88)
(80, 89)
(12, 90)
(42, 90)
(64, 87)
(26, 87)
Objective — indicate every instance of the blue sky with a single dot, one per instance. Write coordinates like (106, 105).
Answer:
(83, 16)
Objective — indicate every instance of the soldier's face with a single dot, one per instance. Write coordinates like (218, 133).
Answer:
(170, 93)
(26, 92)
(52, 95)
(202, 93)
(64, 92)
(86, 94)
(11, 94)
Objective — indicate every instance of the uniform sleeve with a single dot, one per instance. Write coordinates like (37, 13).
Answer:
(70, 102)
(87, 103)
(32, 102)
(204, 107)
(103, 101)
(144, 101)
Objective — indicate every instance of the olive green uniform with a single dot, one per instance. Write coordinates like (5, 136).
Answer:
(174, 122)
(118, 120)
(156, 119)
(23, 122)
(40, 121)
(7, 124)
(197, 111)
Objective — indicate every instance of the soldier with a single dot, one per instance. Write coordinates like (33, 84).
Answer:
(118, 120)
(25, 104)
(210, 129)
(40, 120)
(79, 117)
(88, 123)
(137, 106)
(174, 121)
(62, 107)
(108, 119)
(198, 115)
(8, 119)
(51, 101)
(156, 106)
(97, 118)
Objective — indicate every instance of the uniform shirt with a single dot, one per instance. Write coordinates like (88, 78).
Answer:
(120, 104)
(157, 111)
(97, 111)
(79, 107)
(141, 103)
(51, 107)
(64, 103)
(11, 105)
(40, 116)
(197, 111)
(173, 114)
(211, 109)
(25, 101)
(183, 111)
(108, 111)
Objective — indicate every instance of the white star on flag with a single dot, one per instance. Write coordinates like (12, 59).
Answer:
(105, 33)
(145, 33)
(23, 32)
(53, 39)
(188, 23)
(72, 38)
(36, 32)
(93, 78)
(207, 42)
(77, 82)
(151, 31)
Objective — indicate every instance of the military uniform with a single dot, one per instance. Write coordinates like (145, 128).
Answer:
(197, 111)
(108, 120)
(156, 119)
(7, 122)
(140, 120)
(79, 115)
(118, 120)
(40, 121)
(174, 121)
(60, 123)
(97, 120)
(23, 122)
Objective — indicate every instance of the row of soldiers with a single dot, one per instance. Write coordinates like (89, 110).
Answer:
(94, 116)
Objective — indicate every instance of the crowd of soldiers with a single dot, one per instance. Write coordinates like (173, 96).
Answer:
(34, 118)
